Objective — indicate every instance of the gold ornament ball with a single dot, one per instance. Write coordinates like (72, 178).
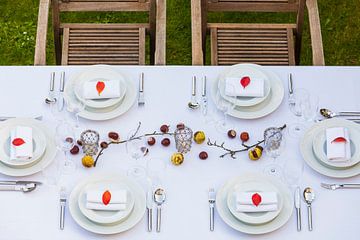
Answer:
(255, 153)
(87, 161)
(177, 159)
(199, 137)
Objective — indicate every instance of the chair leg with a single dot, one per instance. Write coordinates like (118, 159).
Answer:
(58, 49)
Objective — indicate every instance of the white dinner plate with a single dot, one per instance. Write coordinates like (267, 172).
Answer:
(99, 114)
(238, 70)
(106, 217)
(99, 73)
(43, 161)
(134, 217)
(255, 217)
(309, 157)
(226, 215)
(269, 105)
(320, 151)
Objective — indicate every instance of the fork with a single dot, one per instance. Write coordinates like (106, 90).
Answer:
(141, 100)
(340, 186)
(212, 206)
(62, 207)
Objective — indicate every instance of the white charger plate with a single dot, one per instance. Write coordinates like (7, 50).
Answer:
(238, 70)
(46, 158)
(309, 157)
(99, 114)
(320, 151)
(39, 146)
(255, 218)
(96, 74)
(269, 105)
(106, 217)
(226, 215)
(133, 218)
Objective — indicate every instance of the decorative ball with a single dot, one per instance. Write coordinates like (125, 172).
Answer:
(113, 136)
(75, 150)
(164, 128)
(151, 141)
(244, 136)
(87, 161)
(165, 142)
(180, 126)
(199, 137)
(255, 153)
(104, 144)
(203, 155)
(177, 159)
(231, 133)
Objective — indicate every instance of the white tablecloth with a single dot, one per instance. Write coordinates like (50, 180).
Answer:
(186, 212)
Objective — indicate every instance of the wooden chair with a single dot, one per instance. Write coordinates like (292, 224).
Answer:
(265, 44)
(115, 43)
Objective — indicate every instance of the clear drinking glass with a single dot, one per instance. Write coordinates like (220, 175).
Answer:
(225, 107)
(65, 140)
(156, 168)
(76, 107)
(136, 149)
(293, 171)
(310, 108)
(274, 143)
(299, 98)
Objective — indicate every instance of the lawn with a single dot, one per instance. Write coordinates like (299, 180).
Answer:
(339, 21)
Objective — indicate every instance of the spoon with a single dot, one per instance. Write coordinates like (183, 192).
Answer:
(330, 114)
(309, 196)
(193, 104)
(159, 199)
(50, 98)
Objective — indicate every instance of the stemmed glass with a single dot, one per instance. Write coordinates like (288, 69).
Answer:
(136, 149)
(299, 98)
(274, 143)
(76, 107)
(65, 140)
(225, 107)
(293, 171)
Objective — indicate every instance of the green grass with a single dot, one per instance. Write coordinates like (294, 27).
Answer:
(339, 22)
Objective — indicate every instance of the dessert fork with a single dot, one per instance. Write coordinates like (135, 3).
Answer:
(340, 186)
(212, 206)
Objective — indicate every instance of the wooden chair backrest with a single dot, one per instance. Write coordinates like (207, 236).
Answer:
(104, 5)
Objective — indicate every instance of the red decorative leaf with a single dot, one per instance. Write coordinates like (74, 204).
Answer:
(100, 86)
(106, 197)
(339, 140)
(18, 142)
(245, 81)
(256, 199)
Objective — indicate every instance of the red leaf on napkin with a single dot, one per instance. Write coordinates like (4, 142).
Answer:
(245, 81)
(106, 197)
(100, 86)
(256, 199)
(339, 140)
(18, 142)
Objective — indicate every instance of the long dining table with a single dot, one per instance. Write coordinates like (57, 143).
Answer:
(185, 213)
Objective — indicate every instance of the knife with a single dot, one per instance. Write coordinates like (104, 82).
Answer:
(62, 207)
(149, 206)
(61, 93)
(18, 186)
(4, 118)
(141, 99)
(291, 90)
(204, 97)
(298, 208)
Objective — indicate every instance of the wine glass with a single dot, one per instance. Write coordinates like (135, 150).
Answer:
(299, 98)
(65, 140)
(225, 107)
(274, 143)
(51, 173)
(136, 148)
(155, 169)
(76, 107)
(293, 171)
(310, 108)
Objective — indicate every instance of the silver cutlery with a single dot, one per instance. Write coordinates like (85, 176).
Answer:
(24, 186)
(61, 102)
(141, 99)
(203, 96)
(309, 196)
(291, 90)
(62, 207)
(212, 207)
(4, 118)
(341, 186)
(50, 98)
(159, 199)
(149, 206)
(330, 114)
(193, 104)
(298, 208)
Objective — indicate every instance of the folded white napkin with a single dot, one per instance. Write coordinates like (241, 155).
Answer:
(337, 149)
(266, 201)
(118, 199)
(234, 87)
(21, 143)
(101, 89)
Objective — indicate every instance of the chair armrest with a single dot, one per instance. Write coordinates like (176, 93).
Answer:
(315, 32)
(41, 33)
(196, 37)
(160, 42)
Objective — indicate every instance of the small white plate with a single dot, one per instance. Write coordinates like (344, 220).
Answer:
(96, 74)
(255, 218)
(39, 146)
(306, 148)
(99, 114)
(238, 70)
(319, 148)
(106, 217)
(134, 217)
(44, 161)
(232, 221)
